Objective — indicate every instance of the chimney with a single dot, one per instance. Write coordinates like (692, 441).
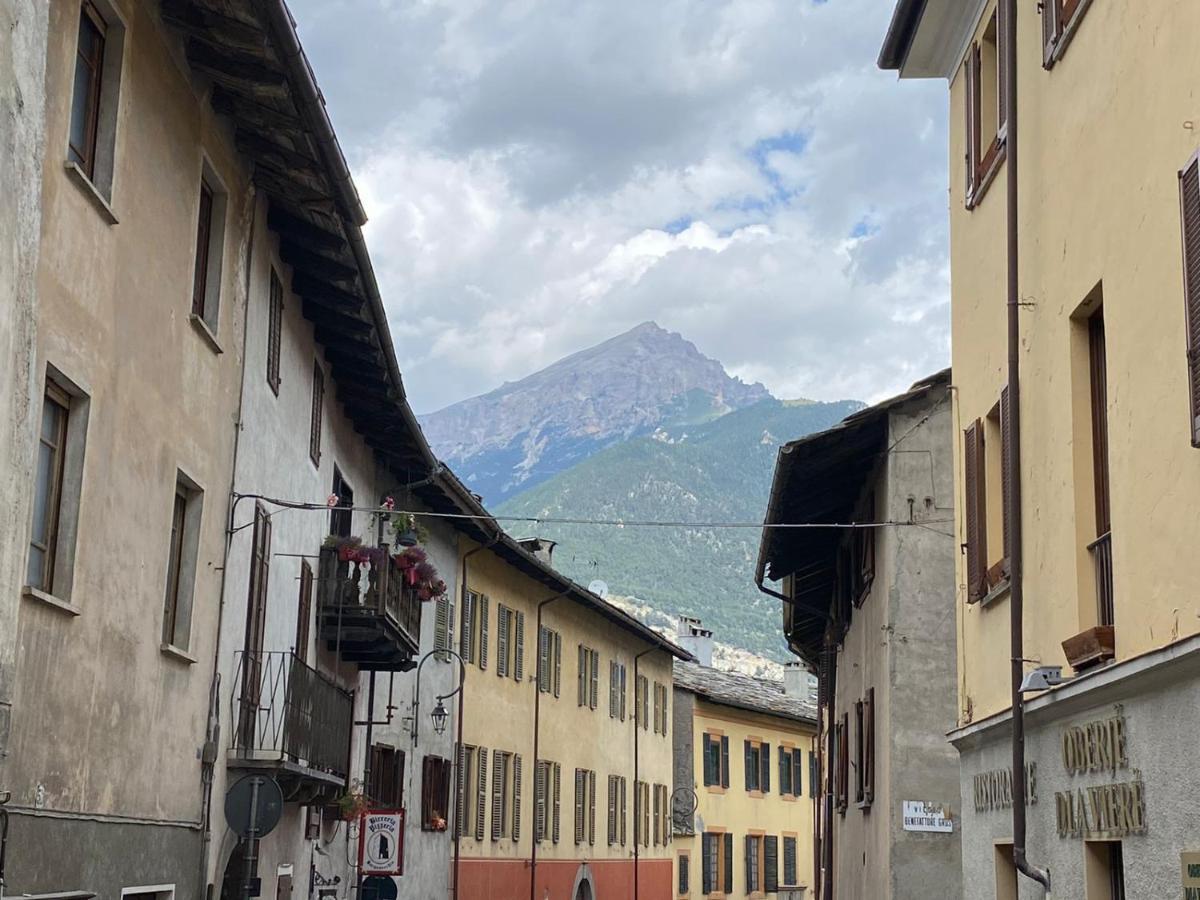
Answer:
(542, 548)
(798, 681)
(697, 640)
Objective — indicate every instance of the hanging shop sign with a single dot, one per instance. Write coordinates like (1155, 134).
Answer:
(927, 817)
(381, 842)
(1105, 811)
(1190, 864)
(993, 790)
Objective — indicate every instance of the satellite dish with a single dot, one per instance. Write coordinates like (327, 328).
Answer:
(599, 588)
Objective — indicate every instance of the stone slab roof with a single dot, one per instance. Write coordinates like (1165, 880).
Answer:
(760, 695)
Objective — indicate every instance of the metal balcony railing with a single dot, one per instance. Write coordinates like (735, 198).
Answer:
(379, 587)
(286, 710)
(1101, 550)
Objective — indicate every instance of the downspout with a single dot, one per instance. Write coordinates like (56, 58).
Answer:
(367, 759)
(537, 722)
(828, 682)
(1016, 552)
(637, 794)
(459, 724)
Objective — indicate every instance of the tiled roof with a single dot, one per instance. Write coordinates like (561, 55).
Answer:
(759, 695)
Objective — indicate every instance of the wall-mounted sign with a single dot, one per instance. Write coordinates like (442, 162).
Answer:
(1096, 747)
(928, 817)
(993, 790)
(381, 842)
(1190, 863)
(1104, 811)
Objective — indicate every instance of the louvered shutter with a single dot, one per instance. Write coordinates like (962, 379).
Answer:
(976, 512)
(612, 810)
(814, 774)
(709, 775)
(645, 814)
(595, 676)
(1051, 11)
(785, 771)
(869, 777)
(519, 654)
(684, 874)
(1001, 67)
(467, 646)
(750, 766)
(612, 689)
(539, 800)
(502, 616)
(481, 792)
(429, 774)
(591, 815)
(460, 792)
(579, 788)
(624, 690)
(557, 663)
(724, 760)
(624, 804)
(516, 810)
(657, 708)
(706, 863)
(728, 862)
(765, 761)
(771, 863)
(748, 860)
(1006, 474)
(441, 624)
(580, 688)
(498, 772)
(789, 861)
(543, 660)
(798, 773)
(657, 817)
(557, 796)
(1189, 192)
(483, 631)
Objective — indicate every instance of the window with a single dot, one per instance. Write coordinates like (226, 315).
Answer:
(641, 813)
(789, 861)
(48, 499)
(716, 760)
(1101, 548)
(549, 661)
(662, 815)
(987, 471)
(510, 643)
(474, 639)
(986, 116)
(274, 327)
(683, 866)
(1060, 20)
(181, 563)
(85, 104)
(616, 690)
(864, 554)
(791, 771)
(479, 814)
(660, 709)
(506, 795)
(341, 517)
(304, 615)
(641, 702)
(616, 810)
(758, 766)
(717, 862)
(585, 806)
(752, 863)
(385, 781)
(546, 806)
(1104, 870)
(466, 789)
(1189, 204)
(210, 241)
(589, 677)
(318, 398)
(842, 754)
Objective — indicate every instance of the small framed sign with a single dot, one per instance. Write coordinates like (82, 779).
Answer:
(381, 842)
(927, 817)
(1190, 864)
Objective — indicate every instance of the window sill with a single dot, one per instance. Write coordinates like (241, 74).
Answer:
(714, 789)
(205, 332)
(863, 805)
(996, 594)
(992, 162)
(177, 653)
(98, 200)
(63, 606)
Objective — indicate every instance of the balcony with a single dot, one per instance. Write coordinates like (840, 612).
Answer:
(291, 722)
(369, 614)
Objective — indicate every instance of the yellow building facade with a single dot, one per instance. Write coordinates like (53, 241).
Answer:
(745, 769)
(566, 711)
(1109, 285)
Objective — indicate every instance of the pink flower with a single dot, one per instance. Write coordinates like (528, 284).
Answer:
(389, 504)
(332, 500)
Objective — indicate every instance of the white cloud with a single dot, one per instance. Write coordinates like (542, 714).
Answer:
(543, 174)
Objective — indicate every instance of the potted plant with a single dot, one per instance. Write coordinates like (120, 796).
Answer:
(408, 532)
(351, 804)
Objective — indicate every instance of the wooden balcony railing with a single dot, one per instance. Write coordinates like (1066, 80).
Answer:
(286, 710)
(1101, 550)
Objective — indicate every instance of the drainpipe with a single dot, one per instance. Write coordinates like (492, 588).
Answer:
(828, 683)
(367, 760)
(537, 722)
(637, 729)
(459, 724)
(1016, 552)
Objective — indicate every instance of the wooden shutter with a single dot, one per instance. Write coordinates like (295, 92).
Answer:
(785, 771)
(481, 792)
(203, 230)
(1098, 357)
(859, 752)
(624, 807)
(612, 810)
(539, 799)
(971, 103)
(579, 789)
(814, 775)
(657, 707)
(751, 766)
(318, 399)
(580, 689)
(460, 792)
(502, 623)
(869, 774)
(684, 861)
(591, 815)
(728, 863)
(1051, 16)
(657, 817)
(274, 324)
(750, 851)
(770, 863)
(789, 861)
(798, 773)
(1001, 68)
(557, 662)
(594, 673)
(441, 623)
(709, 775)
(612, 689)
(467, 644)
(516, 793)
(1006, 475)
(519, 650)
(557, 796)
(976, 512)
(725, 760)
(483, 631)
(543, 663)
(1189, 192)
(499, 770)
(624, 689)
(706, 863)
(764, 760)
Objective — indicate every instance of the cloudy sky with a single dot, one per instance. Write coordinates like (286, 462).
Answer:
(543, 174)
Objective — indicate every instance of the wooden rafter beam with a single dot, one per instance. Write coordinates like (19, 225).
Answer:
(212, 26)
(316, 264)
(304, 233)
(237, 67)
(329, 295)
(243, 108)
(275, 154)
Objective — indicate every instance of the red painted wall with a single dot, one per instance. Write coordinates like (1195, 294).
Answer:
(508, 879)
